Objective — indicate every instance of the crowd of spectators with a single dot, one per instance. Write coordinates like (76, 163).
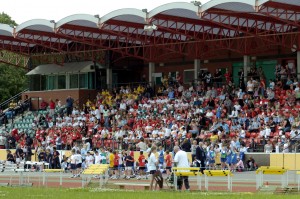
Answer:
(251, 116)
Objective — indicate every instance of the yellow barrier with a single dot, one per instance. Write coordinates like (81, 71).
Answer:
(271, 170)
(100, 170)
(45, 175)
(186, 172)
(53, 170)
(218, 173)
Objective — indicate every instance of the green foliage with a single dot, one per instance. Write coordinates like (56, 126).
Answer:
(6, 19)
(12, 79)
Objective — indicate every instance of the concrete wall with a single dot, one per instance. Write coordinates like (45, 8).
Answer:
(262, 159)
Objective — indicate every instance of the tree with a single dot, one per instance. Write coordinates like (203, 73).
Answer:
(6, 19)
(12, 79)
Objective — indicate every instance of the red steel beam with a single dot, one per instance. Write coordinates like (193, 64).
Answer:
(282, 12)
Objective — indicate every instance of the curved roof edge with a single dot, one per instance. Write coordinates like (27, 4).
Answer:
(261, 2)
(214, 3)
(6, 28)
(175, 5)
(76, 17)
(33, 22)
(124, 11)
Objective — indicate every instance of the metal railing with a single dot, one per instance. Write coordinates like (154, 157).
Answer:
(15, 98)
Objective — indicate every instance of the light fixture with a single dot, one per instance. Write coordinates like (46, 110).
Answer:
(196, 3)
(97, 16)
(52, 21)
(294, 48)
(150, 28)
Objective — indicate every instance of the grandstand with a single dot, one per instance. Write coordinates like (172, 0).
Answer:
(225, 73)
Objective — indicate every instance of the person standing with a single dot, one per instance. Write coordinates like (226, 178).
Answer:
(211, 154)
(181, 160)
(161, 158)
(73, 163)
(142, 164)
(69, 105)
(129, 161)
(152, 164)
(89, 160)
(201, 157)
(78, 163)
(52, 108)
(55, 160)
(168, 160)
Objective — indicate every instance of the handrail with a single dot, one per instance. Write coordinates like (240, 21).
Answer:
(4, 104)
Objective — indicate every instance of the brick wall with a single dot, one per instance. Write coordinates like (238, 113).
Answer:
(80, 96)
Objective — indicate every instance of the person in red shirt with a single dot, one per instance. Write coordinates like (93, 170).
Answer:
(52, 107)
(142, 163)
(168, 160)
(116, 165)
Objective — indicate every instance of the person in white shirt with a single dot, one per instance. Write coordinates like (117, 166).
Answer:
(250, 87)
(78, 163)
(152, 164)
(181, 160)
(242, 134)
(89, 160)
(98, 158)
(73, 163)
(97, 113)
(123, 105)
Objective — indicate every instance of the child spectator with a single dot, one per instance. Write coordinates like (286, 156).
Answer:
(142, 164)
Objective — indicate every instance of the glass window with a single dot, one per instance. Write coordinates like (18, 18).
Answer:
(34, 82)
(83, 81)
(61, 82)
(74, 81)
(43, 82)
(91, 80)
(51, 82)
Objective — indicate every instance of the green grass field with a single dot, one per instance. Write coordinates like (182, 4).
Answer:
(55, 193)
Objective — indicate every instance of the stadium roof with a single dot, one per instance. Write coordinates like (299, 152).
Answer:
(73, 67)
(188, 29)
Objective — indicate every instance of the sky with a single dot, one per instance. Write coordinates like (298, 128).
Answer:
(24, 10)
